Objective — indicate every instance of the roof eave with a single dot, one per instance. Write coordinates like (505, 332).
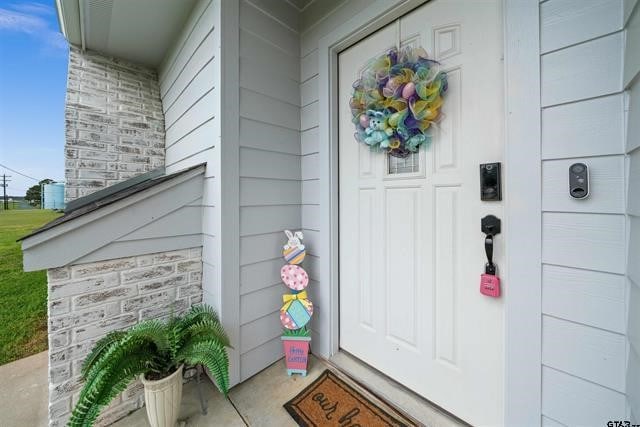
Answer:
(42, 250)
(70, 20)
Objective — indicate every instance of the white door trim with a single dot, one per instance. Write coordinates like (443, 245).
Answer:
(522, 220)
(228, 163)
(523, 214)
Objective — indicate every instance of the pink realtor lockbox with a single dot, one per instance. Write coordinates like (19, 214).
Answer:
(296, 354)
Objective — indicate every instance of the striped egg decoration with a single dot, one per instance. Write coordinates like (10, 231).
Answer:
(294, 254)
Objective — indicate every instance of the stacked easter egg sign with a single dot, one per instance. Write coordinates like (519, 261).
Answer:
(297, 309)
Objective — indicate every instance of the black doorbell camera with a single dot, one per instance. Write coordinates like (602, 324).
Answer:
(579, 181)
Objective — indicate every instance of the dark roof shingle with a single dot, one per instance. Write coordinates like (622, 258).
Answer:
(109, 195)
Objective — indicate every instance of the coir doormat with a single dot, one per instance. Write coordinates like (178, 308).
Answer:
(329, 401)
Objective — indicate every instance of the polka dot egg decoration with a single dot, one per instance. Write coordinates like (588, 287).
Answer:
(294, 277)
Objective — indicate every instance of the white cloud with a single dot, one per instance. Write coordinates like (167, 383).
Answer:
(57, 41)
(21, 22)
(34, 8)
(28, 18)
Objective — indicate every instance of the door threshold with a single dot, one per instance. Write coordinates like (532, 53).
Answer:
(392, 392)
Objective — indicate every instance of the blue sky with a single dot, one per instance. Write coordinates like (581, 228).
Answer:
(33, 70)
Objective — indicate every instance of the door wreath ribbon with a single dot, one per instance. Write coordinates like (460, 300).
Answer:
(397, 100)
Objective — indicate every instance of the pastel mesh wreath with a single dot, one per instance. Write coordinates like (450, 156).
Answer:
(396, 100)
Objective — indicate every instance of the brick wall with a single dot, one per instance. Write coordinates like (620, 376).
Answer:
(87, 301)
(114, 122)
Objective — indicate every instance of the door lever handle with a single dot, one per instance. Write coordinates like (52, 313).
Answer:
(490, 225)
(488, 248)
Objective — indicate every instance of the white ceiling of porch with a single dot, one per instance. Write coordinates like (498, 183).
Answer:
(137, 30)
(299, 4)
(297, 15)
(142, 31)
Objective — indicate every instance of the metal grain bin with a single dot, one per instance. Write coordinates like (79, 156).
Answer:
(53, 196)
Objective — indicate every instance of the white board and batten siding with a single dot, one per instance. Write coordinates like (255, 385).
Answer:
(631, 77)
(270, 173)
(584, 250)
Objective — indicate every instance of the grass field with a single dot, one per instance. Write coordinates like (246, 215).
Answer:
(23, 296)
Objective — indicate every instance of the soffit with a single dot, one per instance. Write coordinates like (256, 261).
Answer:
(140, 31)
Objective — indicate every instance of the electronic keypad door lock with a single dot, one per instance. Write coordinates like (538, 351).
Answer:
(490, 182)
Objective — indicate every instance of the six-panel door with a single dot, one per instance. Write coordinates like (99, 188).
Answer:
(411, 250)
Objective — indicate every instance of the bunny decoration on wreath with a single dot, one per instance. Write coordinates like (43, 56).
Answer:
(397, 100)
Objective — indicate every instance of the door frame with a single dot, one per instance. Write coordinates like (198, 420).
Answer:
(522, 209)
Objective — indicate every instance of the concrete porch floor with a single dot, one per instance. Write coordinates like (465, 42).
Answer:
(23, 392)
(256, 402)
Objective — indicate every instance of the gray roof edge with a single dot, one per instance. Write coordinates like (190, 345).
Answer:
(124, 194)
(128, 223)
(112, 189)
(69, 20)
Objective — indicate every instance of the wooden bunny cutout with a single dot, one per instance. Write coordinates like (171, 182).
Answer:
(294, 251)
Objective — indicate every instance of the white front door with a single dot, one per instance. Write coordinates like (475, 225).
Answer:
(411, 249)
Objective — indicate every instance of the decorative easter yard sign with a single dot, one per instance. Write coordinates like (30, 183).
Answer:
(396, 100)
(296, 350)
(297, 309)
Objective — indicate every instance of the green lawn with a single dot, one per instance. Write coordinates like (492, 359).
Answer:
(23, 296)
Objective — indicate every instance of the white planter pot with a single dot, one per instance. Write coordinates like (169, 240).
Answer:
(162, 399)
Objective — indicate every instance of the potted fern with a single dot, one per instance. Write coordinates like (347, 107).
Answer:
(157, 351)
(296, 350)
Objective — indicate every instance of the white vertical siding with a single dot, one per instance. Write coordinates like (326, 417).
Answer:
(583, 71)
(585, 296)
(587, 128)
(590, 353)
(270, 186)
(189, 86)
(569, 22)
(584, 242)
(631, 75)
(572, 401)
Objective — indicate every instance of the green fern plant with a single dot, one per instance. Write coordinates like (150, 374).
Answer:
(155, 349)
